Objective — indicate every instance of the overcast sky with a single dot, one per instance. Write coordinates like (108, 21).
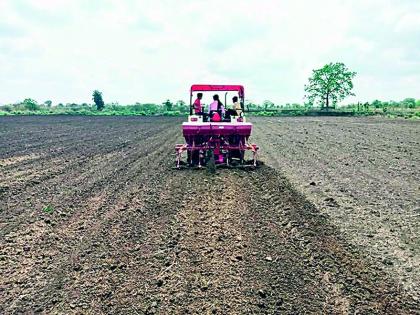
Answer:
(147, 51)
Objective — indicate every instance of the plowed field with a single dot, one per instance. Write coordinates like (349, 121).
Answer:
(93, 219)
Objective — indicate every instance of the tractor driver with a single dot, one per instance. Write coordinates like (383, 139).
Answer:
(198, 110)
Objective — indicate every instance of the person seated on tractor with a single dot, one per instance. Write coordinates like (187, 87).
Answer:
(237, 106)
(216, 109)
(236, 109)
(198, 109)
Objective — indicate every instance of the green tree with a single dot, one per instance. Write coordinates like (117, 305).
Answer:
(150, 109)
(181, 106)
(168, 105)
(97, 98)
(48, 103)
(330, 84)
(409, 102)
(366, 106)
(250, 105)
(180, 103)
(7, 108)
(377, 104)
(268, 104)
(30, 104)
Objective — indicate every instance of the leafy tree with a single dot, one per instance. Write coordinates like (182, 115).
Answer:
(182, 106)
(180, 103)
(418, 103)
(394, 104)
(30, 104)
(330, 84)
(168, 105)
(97, 98)
(377, 104)
(48, 103)
(7, 108)
(409, 102)
(137, 107)
(268, 104)
(150, 109)
(366, 106)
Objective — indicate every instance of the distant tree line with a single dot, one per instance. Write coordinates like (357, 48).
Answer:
(31, 107)
(325, 90)
(169, 108)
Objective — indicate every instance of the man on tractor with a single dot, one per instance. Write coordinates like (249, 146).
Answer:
(236, 106)
(197, 104)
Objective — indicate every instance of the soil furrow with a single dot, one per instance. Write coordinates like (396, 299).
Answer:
(63, 189)
(80, 234)
(127, 234)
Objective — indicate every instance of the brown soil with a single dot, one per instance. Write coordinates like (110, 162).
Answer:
(364, 173)
(94, 220)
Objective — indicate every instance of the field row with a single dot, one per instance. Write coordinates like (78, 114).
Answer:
(94, 219)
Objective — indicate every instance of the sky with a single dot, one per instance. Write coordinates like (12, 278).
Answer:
(149, 51)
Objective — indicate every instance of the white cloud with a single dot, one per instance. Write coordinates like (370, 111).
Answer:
(153, 50)
(409, 22)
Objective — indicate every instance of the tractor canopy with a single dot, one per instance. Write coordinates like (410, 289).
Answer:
(220, 88)
(212, 87)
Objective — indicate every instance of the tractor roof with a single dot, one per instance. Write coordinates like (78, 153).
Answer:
(213, 87)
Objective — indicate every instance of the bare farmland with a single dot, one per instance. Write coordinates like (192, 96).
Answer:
(94, 220)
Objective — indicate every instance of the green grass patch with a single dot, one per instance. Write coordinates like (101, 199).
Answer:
(48, 209)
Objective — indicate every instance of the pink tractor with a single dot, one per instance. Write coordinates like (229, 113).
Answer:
(218, 135)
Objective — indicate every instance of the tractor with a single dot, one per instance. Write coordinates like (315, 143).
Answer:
(216, 138)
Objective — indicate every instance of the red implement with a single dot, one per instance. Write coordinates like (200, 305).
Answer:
(224, 141)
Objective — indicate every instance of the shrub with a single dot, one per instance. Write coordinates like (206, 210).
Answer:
(7, 108)
(30, 104)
